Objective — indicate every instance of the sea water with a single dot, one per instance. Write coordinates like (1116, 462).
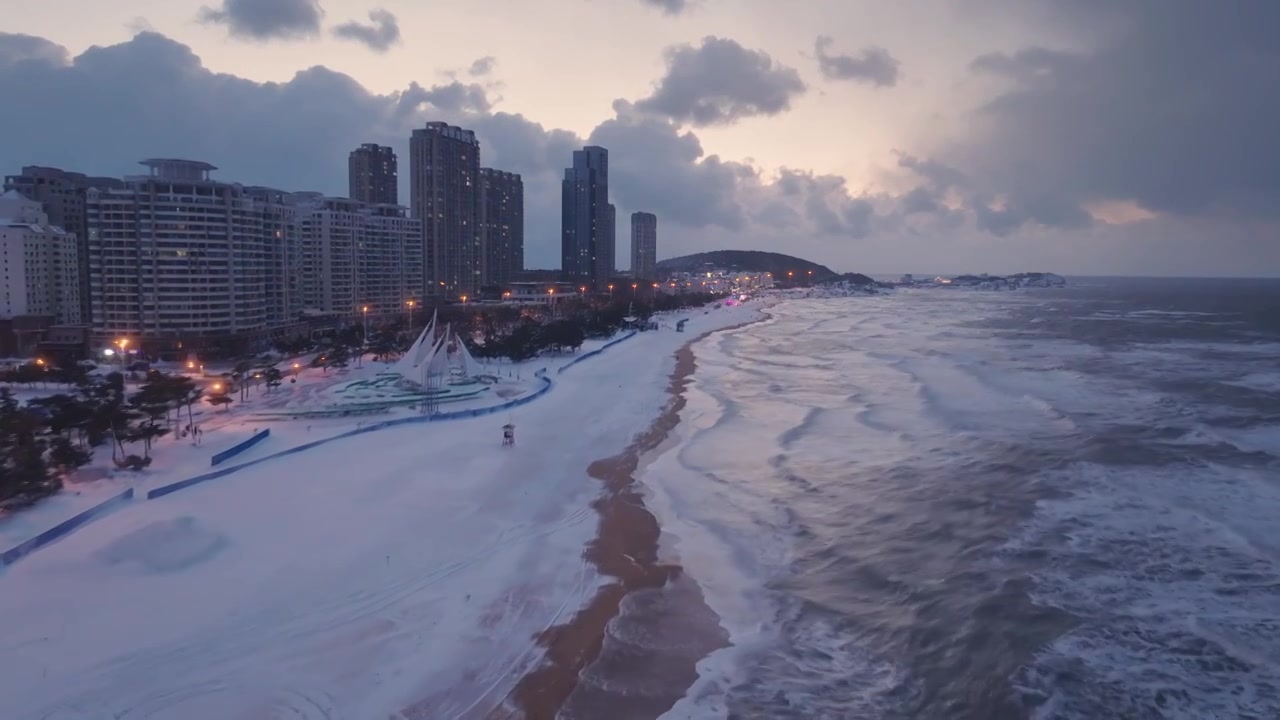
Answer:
(950, 504)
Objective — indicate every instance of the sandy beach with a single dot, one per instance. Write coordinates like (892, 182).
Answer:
(626, 551)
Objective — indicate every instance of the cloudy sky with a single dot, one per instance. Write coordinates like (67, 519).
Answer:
(1077, 136)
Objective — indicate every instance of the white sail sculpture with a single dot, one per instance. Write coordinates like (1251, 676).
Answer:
(408, 367)
(436, 364)
(464, 368)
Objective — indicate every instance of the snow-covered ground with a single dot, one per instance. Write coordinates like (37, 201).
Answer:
(175, 458)
(403, 573)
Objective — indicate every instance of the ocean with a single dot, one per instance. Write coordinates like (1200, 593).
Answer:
(1059, 503)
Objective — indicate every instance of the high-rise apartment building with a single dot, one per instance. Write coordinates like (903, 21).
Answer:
(501, 226)
(354, 255)
(177, 258)
(444, 193)
(588, 225)
(644, 245)
(63, 194)
(280, 234)
(39, 263)
(372, 175)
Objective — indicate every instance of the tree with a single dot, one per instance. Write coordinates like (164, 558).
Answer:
(24, 475)
(339, 356)
(272, 376)
(66, 457)
(220, 400)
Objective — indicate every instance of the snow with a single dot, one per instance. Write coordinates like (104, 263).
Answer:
(401, 573)
(175, 458)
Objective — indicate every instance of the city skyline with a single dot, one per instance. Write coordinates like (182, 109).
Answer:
(999, 135)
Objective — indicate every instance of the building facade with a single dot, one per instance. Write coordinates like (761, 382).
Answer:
(372, 175)
(353, 255)
(587, 220)
(177, 258)
(39, 263)
(444, 193)
(63, 196)
(501, 226)
(644, 245)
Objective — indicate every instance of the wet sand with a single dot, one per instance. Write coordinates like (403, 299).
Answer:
(641, 636)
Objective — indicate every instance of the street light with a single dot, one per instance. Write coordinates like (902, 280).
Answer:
(364, 334)
(610, 291)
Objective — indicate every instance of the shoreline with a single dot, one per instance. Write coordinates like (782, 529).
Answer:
(625, 550)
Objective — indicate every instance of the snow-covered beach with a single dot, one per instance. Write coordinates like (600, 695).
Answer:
(404, 573)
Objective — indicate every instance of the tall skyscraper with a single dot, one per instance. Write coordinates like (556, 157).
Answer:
(178, 258)
(644, 245)
(444, 192)
(372, 175)
(62, 194)
(587, 219)
(501, 225)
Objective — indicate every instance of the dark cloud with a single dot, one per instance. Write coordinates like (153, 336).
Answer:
(873, 65)
(670, 7)
(267, 19)
(379, 35)
(483, 66)
(720, 82)
(1174, 108)
(295, 135)
(17, 48)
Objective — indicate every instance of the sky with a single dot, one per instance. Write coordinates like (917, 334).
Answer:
(1100, 137)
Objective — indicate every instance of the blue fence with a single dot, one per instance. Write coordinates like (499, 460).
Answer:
(231, 452)
(63, 529)
(595, 352)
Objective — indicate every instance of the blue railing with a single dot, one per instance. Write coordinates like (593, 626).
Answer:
(231, 452)
(63, 529)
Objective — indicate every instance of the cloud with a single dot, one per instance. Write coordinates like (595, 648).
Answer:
(720, 82)
(1173, 108)
(267, 19)
(670, 7)
(295, 135)
(873, 65)
(17, 48)
(382, 32)
(482, 66)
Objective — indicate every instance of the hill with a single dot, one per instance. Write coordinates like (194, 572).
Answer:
(753, 261)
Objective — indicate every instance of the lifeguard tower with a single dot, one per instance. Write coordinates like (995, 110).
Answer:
(508, 435)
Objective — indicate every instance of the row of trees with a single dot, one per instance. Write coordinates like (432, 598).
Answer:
(495, 331)
(47, 437)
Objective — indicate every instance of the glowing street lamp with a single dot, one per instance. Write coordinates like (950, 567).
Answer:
(364, 334)
(611, 291)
